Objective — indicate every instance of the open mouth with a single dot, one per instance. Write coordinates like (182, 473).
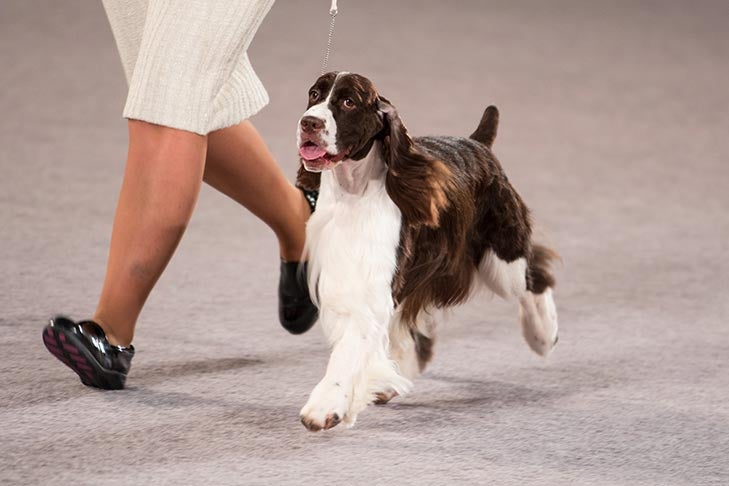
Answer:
(316, 158)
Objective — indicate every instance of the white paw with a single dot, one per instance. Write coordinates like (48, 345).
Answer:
(327, 406)
(381, 398)
(540, 327)
(548, 314)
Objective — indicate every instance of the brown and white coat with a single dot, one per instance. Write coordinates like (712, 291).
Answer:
(404, 226)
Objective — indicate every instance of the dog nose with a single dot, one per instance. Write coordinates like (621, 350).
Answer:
(311, 124)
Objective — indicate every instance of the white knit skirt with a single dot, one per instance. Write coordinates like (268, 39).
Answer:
(186, 61)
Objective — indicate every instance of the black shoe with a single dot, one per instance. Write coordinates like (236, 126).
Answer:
(83, 347)
(296, 311)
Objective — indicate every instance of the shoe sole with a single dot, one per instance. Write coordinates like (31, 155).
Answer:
(71, 352)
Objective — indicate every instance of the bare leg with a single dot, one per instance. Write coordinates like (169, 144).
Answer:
(151, 216)
(240, 166)
(161, 184)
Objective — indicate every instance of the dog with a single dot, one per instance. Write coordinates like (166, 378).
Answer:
(404, 226)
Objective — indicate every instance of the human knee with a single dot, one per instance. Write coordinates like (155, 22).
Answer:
(159, 141)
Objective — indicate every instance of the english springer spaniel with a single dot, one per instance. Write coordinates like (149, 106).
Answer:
(404, 226)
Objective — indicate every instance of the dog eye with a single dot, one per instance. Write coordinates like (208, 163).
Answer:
(348, 102)
(313, 95)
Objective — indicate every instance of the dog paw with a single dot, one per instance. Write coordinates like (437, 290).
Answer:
(314, 425)
(327, 407)
(381, 398)
(538, 315)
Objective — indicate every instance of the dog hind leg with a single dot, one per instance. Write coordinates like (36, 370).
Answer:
(530, 283)
(411, 349)
(537, 310)
(538, 317)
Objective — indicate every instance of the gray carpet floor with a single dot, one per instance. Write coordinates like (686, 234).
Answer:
(615, 129)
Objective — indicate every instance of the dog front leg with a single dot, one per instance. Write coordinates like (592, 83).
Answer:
(355, 341)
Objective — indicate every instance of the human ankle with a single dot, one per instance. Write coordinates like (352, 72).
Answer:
(291, 241)
(110, 335)
(292, 253)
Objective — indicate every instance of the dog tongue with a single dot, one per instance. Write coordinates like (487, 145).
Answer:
(311, 152)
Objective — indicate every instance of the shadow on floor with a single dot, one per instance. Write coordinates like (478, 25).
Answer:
(146, 375)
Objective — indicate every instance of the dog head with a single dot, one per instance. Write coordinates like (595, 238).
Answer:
(343, 118)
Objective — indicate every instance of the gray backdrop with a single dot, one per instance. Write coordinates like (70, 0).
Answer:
(614, 129)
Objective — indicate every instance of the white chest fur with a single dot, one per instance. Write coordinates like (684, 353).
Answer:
(352, 241)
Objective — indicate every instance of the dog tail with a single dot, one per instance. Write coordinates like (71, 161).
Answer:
(539, 274)
(486, 130)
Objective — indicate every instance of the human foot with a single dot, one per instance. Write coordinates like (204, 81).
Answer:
(297, 313)
(84, 348)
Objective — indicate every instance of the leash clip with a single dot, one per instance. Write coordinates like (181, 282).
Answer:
(333, 12)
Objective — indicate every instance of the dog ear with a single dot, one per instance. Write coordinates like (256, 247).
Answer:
(416, 182)
(308, 180)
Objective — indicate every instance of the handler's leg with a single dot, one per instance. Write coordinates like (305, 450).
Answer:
(161, 184)
(240, 166)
